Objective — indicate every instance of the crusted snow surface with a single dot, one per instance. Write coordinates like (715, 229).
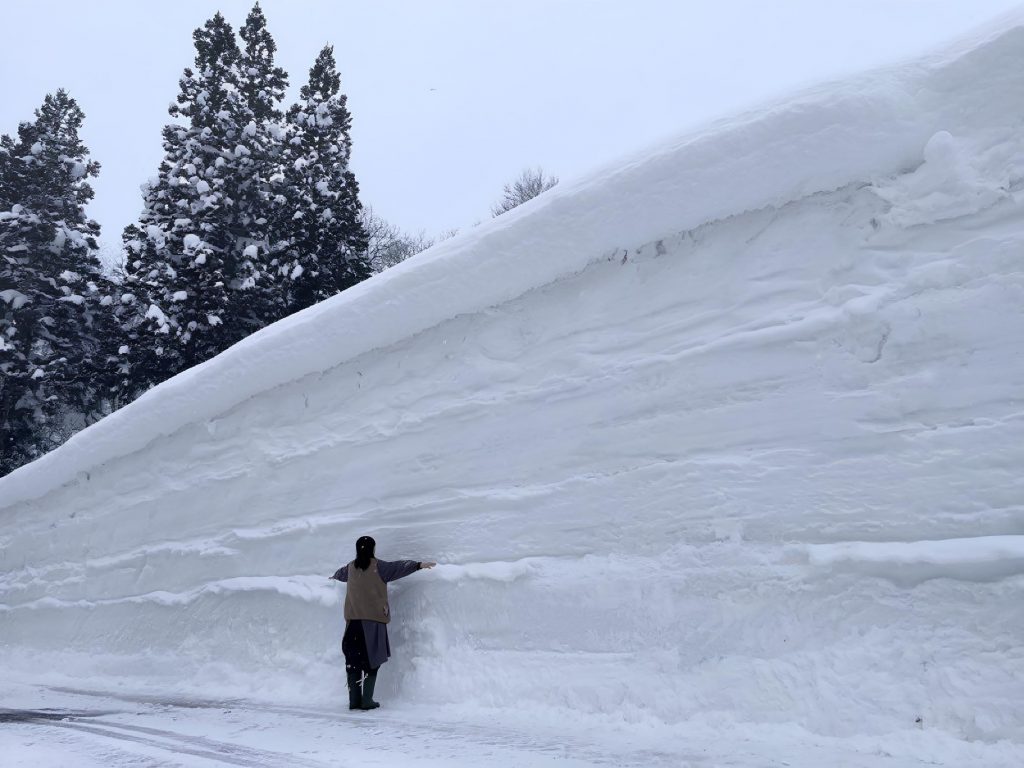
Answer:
(723, 440)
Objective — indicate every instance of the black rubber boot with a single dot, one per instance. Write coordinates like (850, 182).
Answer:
(368, 682)
(355, 689)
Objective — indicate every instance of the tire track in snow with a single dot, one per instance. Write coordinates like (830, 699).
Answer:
(476, 740)
(177, 743)
(173, 742)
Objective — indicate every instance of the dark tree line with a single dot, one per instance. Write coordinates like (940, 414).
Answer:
(253, 215)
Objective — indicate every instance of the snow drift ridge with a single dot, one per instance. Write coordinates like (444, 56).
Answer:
(817, 141)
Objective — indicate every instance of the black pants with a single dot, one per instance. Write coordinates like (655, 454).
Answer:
(353, 645)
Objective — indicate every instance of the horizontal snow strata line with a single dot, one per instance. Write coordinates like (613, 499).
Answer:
(223, 545)
(820, 140)
(497, 570)
(309, 588)
(979, 558)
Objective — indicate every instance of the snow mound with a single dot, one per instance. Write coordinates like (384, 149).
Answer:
(957, 178)
(821, 140)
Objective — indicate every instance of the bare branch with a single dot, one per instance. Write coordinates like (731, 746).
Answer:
(530, 183)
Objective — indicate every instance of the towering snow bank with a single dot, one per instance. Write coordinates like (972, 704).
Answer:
(676, 432)
(820, 140)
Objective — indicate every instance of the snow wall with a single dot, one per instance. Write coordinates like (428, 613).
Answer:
(732, 431)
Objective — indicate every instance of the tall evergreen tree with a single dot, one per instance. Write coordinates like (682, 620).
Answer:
(51, 302)
(261, 84)
(325, 239)
(186, 256)
(249, 218)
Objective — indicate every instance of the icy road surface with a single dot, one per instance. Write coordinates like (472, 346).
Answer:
(60, 727)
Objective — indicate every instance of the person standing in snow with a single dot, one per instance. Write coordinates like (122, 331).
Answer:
(367, 614)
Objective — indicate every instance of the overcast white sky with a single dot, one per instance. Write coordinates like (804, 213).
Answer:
(452, 98)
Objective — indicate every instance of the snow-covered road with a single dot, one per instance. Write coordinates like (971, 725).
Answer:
(57, 727)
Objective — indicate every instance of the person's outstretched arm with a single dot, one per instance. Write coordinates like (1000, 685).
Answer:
(393, 571)
(341, 574)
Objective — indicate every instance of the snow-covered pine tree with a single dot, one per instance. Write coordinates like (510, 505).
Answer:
(326, 241)
(191, 249)
(261, 84)
(52, 305)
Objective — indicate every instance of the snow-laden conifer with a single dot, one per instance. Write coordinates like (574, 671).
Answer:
(187, 254)
(326, 242)
(52, 302)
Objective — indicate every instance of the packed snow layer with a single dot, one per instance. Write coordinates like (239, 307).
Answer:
(730, 433)
(979, 558)
(820, 140)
